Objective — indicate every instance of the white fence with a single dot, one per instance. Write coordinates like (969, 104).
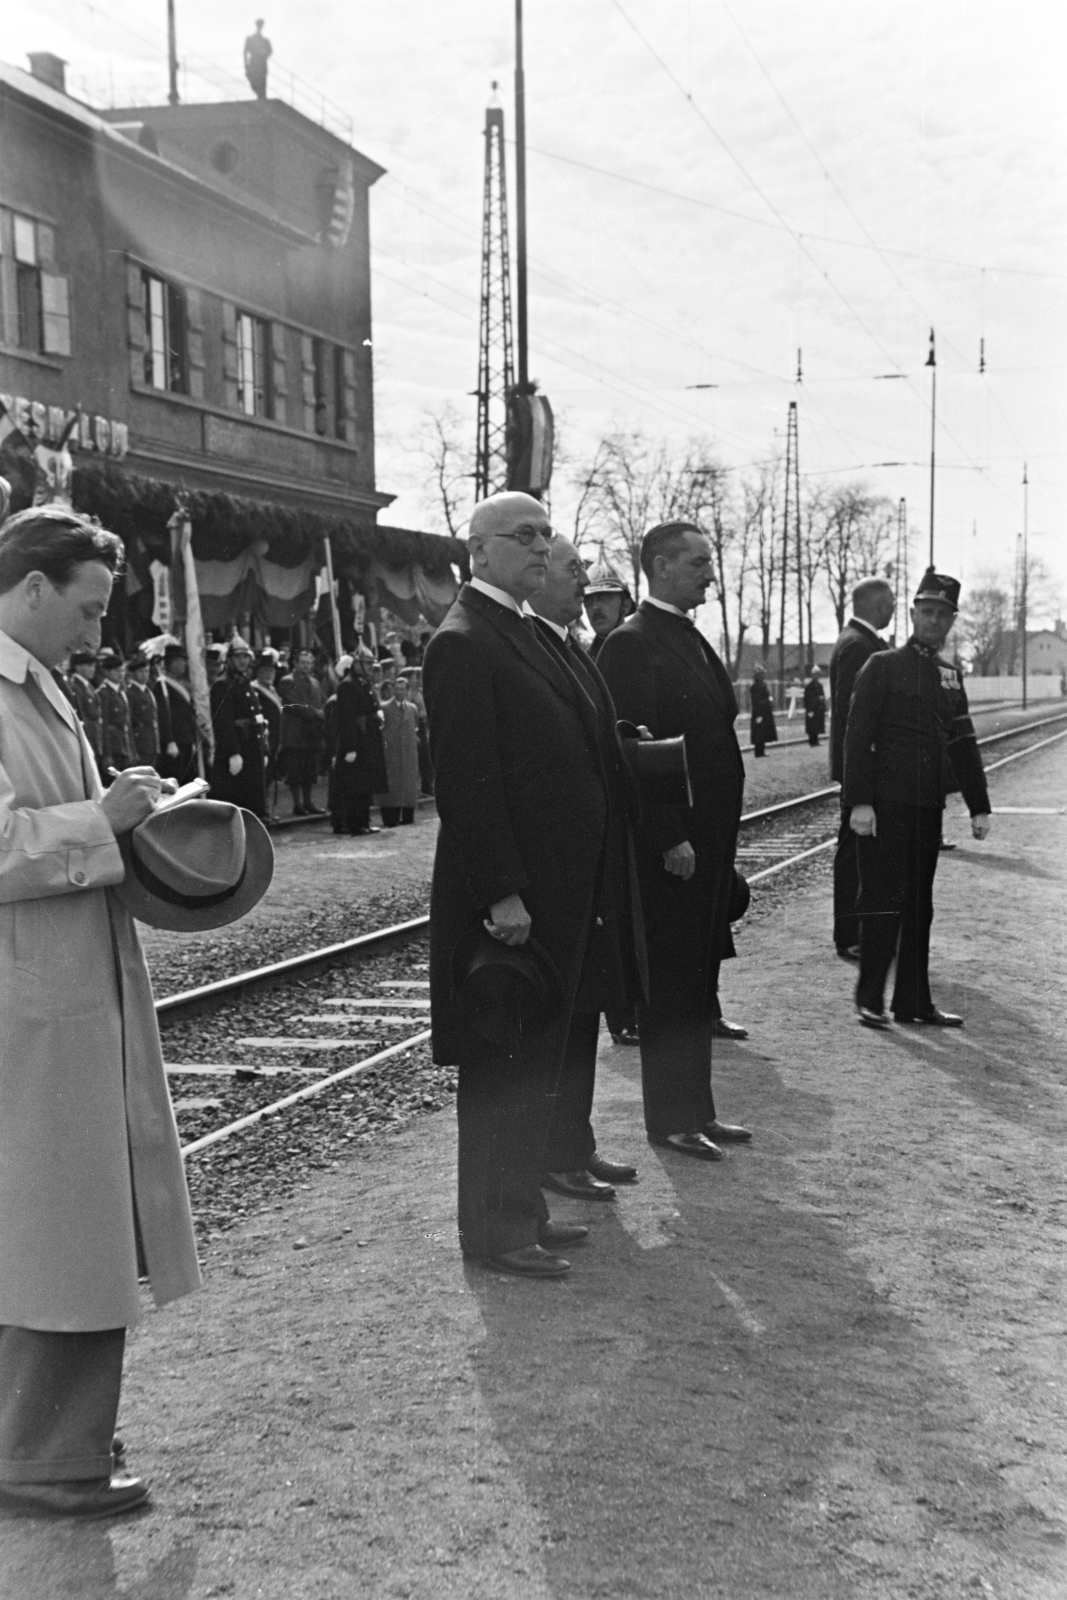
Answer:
(1039, 686)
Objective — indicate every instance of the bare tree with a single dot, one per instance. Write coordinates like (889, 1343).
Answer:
(985, 623)
(858, 530)
(622, 492)
(760, 494)
(448, 481)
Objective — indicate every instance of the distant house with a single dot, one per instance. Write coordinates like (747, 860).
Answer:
(795, 660)
(1046, 652)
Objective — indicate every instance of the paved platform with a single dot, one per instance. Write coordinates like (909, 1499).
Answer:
(830, 1368)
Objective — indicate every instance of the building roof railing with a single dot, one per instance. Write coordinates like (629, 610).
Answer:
(201, 80)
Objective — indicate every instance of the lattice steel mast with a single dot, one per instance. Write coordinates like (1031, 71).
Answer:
(496, 375)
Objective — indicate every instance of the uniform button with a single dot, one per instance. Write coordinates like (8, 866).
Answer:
(79, 877)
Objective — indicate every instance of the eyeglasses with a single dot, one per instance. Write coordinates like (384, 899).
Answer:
(577, 569)
(526, 536)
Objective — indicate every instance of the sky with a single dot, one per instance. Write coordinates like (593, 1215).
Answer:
(713, 185)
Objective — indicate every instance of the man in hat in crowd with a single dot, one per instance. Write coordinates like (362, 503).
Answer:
(144, 714)
(354, 746)
(909, 743)
(115, 714)
(179, 737)
(87, 703)
(270, 704)
(663, 673)
(615, 970)
(303, 732)
(873, 604)
(238, 724)
(607, 602)
(523, 809)
(92, 1192)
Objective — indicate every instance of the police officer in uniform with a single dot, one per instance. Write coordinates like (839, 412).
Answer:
(607, 601)
(87, 703)
(909, 743)
(144, 713)
(238, 773)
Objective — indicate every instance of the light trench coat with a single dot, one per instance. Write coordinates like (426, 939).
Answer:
(401, 740)
(89, 1155)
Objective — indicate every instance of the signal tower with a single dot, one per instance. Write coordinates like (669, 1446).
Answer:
(496, 366)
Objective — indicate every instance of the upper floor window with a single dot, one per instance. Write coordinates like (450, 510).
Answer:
(165, 364)
(35, 298)
(254, 391)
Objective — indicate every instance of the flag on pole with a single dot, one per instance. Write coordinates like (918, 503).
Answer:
(181, 532)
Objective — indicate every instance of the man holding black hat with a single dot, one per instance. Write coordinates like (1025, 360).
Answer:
(909, 743)
(523, 810)
(178, 734)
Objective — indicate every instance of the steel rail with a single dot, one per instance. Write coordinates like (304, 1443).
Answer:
(189, 1002)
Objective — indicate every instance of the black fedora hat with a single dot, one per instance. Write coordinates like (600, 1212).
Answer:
(194, 865)
(504, 992)
(659, 765)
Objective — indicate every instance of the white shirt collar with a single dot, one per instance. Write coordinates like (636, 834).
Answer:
(557, 627)
(16, 661)
(666, 606)
(858, 622)
(501, 596)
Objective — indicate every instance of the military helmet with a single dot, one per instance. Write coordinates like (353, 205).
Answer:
(604, 579)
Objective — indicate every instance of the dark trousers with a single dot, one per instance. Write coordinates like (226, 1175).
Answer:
(59, 1399)
(896, 907)
(571, 1140)
(503, 1109)
(349, 813)
(846, 885)
(392, 816)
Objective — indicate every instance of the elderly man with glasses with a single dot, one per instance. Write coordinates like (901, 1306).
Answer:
(523, 806)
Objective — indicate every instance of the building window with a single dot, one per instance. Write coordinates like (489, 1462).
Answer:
(36, 297)
(321, 355)
(254, 396)
(164, 335)
(340, 413)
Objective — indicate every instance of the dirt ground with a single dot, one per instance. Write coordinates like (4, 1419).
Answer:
(830, 1368)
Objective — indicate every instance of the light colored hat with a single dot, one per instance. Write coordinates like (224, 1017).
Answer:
(344, 664)
(603, 579)
(198, 864)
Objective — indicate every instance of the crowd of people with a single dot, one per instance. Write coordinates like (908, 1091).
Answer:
(274, 721)
(585, 867)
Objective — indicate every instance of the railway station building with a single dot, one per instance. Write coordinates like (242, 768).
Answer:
(186, 338)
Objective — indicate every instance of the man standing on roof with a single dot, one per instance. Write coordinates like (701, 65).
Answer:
(258, 51)
(909, 743)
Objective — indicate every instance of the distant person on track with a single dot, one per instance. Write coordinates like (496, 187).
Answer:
(523, 810)
(616, 968)
(663, 673)
(814, 707)
(92, 1191)
(763, 729)
(909, 743)
(873, 604)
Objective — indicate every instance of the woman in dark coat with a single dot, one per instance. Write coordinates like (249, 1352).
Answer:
(814, 707)
(238, 725)
(356, 752)
(763, 729)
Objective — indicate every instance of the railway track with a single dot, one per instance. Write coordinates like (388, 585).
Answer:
(349, 1021)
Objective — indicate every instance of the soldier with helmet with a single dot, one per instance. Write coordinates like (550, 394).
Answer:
(909, 743)
(607, 602)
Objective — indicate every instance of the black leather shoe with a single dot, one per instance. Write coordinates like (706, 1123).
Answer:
(529, 1262)
(872, 1019)
(558, 1235)
(625, 1036)
(932, 1019)
(85, 1499)
(848, 952)
(728, 1030)
(610, 1171)
(577, 1185)
(689, 1144)
(726, 1132)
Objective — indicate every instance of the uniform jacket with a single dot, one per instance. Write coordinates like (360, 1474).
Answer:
(855, 646)
(87, 705)
(144, 723)
(400, 735)
(302, 712)
(521, 797)
(355, 730)
(237, 724)
(177, 719)
(117, 731)
(270, 706)
(910, 739)
(86, 1126)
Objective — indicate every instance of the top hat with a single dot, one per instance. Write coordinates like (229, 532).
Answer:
(195, 864)
(603, 579)
(659, 765)
(936, 586)
(504, 992)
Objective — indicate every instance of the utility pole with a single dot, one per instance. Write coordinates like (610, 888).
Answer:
(172, 53)
(1023, 597)
(931, 362)
(520, 201)
(900, 565)
(791, 535)
(496, 374)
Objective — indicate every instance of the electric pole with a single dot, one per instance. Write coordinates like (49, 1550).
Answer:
(900, 565)
(1023, 597)
(931, 362)
(172, 53)
(791, 534)
(496, 376)
(520, 201)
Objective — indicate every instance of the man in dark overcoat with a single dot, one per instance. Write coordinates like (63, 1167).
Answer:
(873, 604)
(523, 810)
(238, 772)
(179, 737)
(356, 751)
(616, 967)
(814, 707)
(303, 732)
(662, 673)
(763, 729)
(909, 743)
